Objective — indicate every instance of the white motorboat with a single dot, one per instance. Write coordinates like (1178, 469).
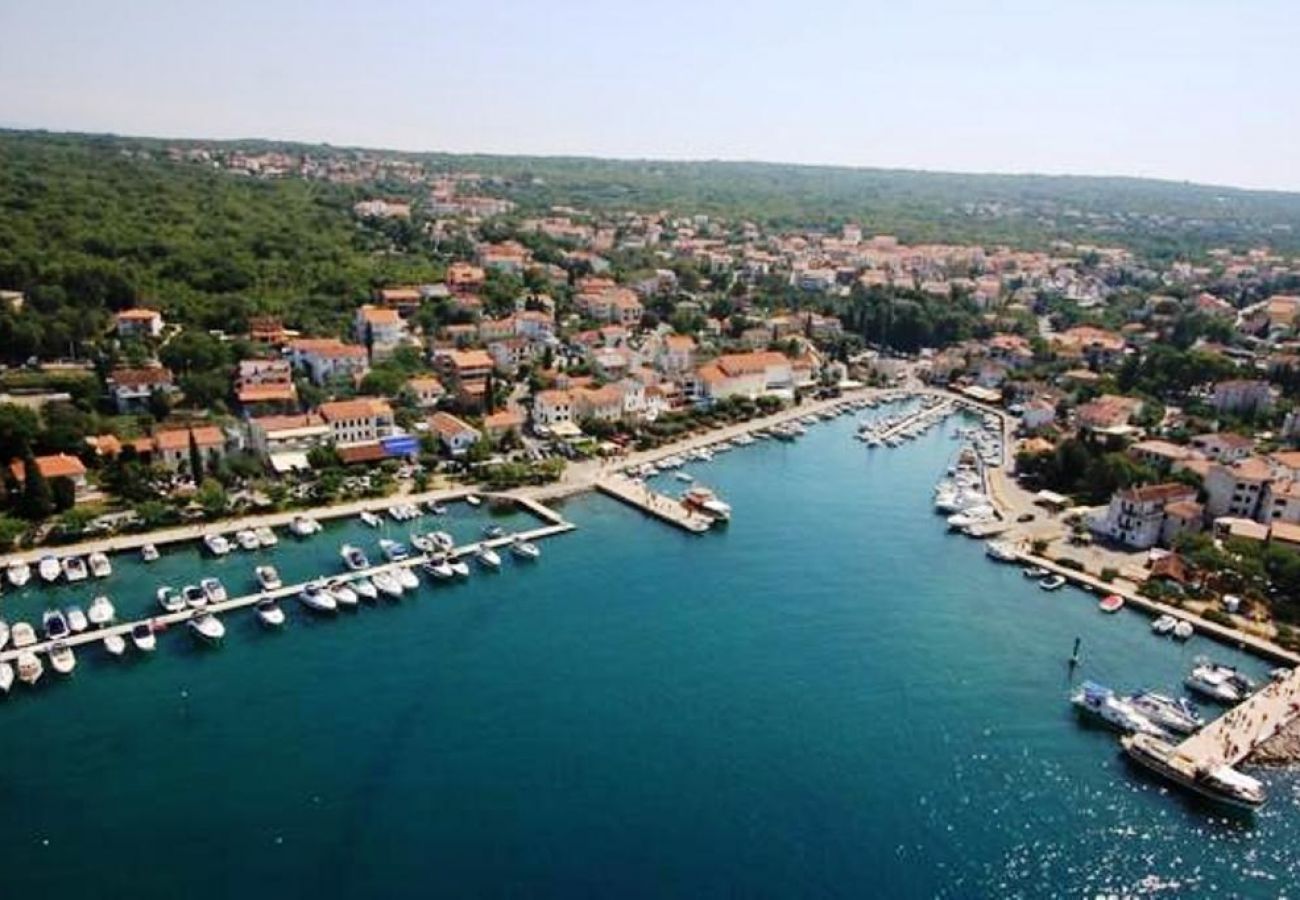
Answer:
(269, 613)
(4, 633)
(394, 551)
(143, 638)
(74, 569)
(443, 540)
(6, 677)
(54, 624)
(1164, 625)
(207, 627)
(213, 589)
(488, 558)
(684, 477)
(1052, 582)
(149, 553)
(217, 544)
(1183, 630)
(100, 567)
(1102, 704)
(438, 569)
(459, 567)
(1171, 713)
(371, 519)
(195, 597)
(702, 500)
(115, 644)
(266, 537)
(30, 668)
(18, 573)
(386, 584)
(472, 499)
(22, 635)
(101, 611)
(62, 659)
(77, 620)
(49, 569)
(1001, 551)
(268, 578)
(406, 578)
(436, 508)
(304, 526)
(353, 558)
(492, 532)
(342, 592)
(169, 600)
(422, 542)
(365, 589)
(247, 539)
(525, 549)
(1223, 784)
(1215, 683)
(314, 596)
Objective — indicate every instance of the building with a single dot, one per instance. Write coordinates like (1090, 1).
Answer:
(1242, 397)
(1136, 516)
(365, 419)
(58, 465)
(1161, 455)
(139, 323)
(132, 389)
(425, 390)
(604, 404)
(380, 329)
(1237, 489)
(1095, 345)
(329, 359)
(676, 354)
(745, 375)
(265, 384)
(498, 424)
(455, 435)
(1223, 446)
(1109, 414)
(275, 436)
(405, 301)
(552, 407)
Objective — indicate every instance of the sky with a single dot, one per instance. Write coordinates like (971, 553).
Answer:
(1197, 90)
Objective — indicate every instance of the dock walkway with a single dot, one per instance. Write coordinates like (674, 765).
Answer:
(937, 412)
(652, 503)
(1234, 735)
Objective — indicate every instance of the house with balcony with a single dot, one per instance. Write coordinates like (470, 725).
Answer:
(359, 421)
(329, 359)
(381, 329)
(1136, 516)
(132, 389)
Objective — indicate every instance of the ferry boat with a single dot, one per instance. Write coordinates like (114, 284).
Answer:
(195, 597)
(149, 553)
(213, 589)
(314, 596)
(100, 567)
(62, 659)
(1052, 583)
(74, 569)
(269, 613)
(217, 544)
(54, 624)
(266, 537)
(387, 585)
(1171, 713)
(1223, 784)
(101, 611)
(525, 549)
(207, 627)
(703, 500)
(49, 569)
(371, 519)
(30, 668)
(365, 589)
(353, 558)
(488, 558)
(247, 539)
(1112, 603)
(77, 620)
(115, 644)
(1222, 684)
(1100, 703)
(394, 551)
(304, 526)
(1164, 625)
(6, 677)
(143, 638)
(268, 578)
(18, 573)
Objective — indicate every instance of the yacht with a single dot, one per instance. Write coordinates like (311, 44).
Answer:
(342, 592)
(49, 569)
(703, 500)
(101, 611)
(1171, 713)
(149, 553)
(304, 526)
(1220, 783)
(1052, 583)
(269, 613)
(1217, 683)
(195, 596)
(100, 567)
(406, 578)
(365, 589)
(247, 539)
(437, 568)
(77, 620)
(207, 627)
(472, 499)
(394, 551)
(30, 668)
(143, 638)
(62, 659)
(1001, 551)
(54, 624)
(266, 537)
(1100, 703)
(74, 569)
(353, 558)
(115, 644)
(371, 519)
(488, 558)
(387, 585)
(18, 573)
(217, 544)
(525, 549)
(169, 600)
(268, 578)
(1183, 630)
(6, 677)
(22, 635)
(1164, 625)
(213, 589)
(491, 532)
(314, 596)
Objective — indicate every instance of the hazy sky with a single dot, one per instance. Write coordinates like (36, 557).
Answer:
(1204, 90)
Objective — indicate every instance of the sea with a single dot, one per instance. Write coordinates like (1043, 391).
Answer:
(831, 696)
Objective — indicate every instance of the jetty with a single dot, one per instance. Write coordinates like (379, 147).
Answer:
(652, 503)
(165, 620)
(1233, 736)
(925, 412)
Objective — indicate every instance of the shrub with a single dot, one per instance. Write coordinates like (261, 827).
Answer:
(1109, 574)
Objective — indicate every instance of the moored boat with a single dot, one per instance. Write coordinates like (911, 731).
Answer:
(1183, 630)
(353, 558)
(143, 638)
(74, 569)
(1111, 603)
(101, 611)
(1217, 683)
(266, 537)
(54, 624)
(304, 526)
(62, 659)
(194, 596)
(115, 644)
(491, 532)
(247, 539)
(100, 567)
(207, 627)
(49, 569)
(387, 585)
(216, 544)
(4, 633)
(702, 500)
(268, 578)
(213, 589)
(18, 573)
(30, 668)
(365, 589)
(1171, 713)
(342, 592)
(525, 549)
(314, 596)
(488, 558)
(1052, 582)
(149, 553)
(77, 620)
(438, 569)
(371, 519)
(269, 613)
(1001, 551)
(1101, 703)
(393, 551)
(6, 677)
(406, 578)
(472, 499)
(1164, 624)
(1221, 783)
(22, 635)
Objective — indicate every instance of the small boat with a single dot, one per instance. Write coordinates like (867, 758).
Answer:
(49, 569)
(386, 584)
(1164, 625)
(342, 593)
(18, 573)
(1000, 550)
(247, 539)
(62, 659)
(268, 578)
(30, 668)
(371, 519)
(488, 558)
(1102, 704)
(406, 578)
(266, 537)
(207, 627)
(684, 477)
(702, 500)
(22, 635)
(269, 613)
(422, 542)
(100, 567)
(217, 544)
(213, 589)
(459, 567)
(1183, 631)
(77, 620)
(437, 508)
(365, 589)
(6, 677)
(438, 569)
(143, 638)
(4, 633)
(1036, 572)
(54, 624)
(1171, 713)
(394, 551)
(1112, 603)
(1052, 583)
(491, 532)
(74, 569)
(473, 499)
(149, 553)
(1216, 683)
(304, 526)
(314, 596)
(442, 540)
(115, 644)
(101, 611)
(353, 558)
(525, 549)
(1222, 783)
(194, 596)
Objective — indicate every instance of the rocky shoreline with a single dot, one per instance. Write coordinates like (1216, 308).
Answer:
(1282, 749)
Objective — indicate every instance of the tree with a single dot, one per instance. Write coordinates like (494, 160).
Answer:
(11, 530)
(37, 500)
(18, 430)
(196, 460)
(64, 493)
(212, 497)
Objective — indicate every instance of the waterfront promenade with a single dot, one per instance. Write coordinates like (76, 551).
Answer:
(652, 503)
(1234, 735)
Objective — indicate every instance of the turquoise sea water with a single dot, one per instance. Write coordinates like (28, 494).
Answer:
(833, 696)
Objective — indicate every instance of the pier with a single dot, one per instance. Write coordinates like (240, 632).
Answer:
(926, 412)
(661, 506)
(1233, 736)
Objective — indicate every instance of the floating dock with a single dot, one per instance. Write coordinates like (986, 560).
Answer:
(660, 506)
(1233, 736)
